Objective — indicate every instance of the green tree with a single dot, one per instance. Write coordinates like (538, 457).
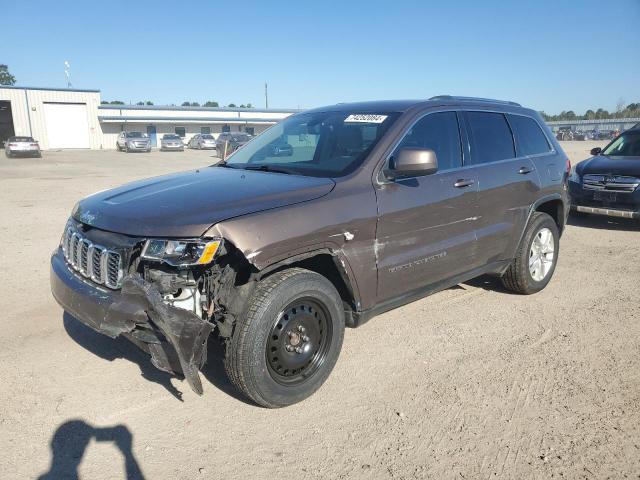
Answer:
(211, 103)
(5, 77)
(190, 104)
(231, 105)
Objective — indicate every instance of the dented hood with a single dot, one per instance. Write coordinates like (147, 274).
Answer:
(186, 204)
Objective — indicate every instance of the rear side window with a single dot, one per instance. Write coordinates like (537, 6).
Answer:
(491, 137)
(530, 139)
(438, 132)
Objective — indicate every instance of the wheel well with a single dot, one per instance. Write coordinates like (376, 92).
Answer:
(325, 265)
(555, 209)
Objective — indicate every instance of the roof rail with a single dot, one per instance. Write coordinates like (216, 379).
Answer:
(474, 99)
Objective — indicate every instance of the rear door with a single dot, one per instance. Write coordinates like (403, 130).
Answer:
(507, 185)
(425, 231)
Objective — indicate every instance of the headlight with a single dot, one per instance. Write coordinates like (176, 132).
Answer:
(573, 176)
(181, 252)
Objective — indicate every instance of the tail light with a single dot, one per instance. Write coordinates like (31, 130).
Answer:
(13, 144)
(34, 144)
(568, 166)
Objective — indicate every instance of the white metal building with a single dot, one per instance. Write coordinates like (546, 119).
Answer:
(70, 118)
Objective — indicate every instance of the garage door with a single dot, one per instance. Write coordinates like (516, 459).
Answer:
(67, 125)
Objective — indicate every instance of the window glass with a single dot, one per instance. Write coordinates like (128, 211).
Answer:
(529, 137)
(226, 128)
(320, 144)
(205, 130)
(626, 145)
(180, 131)
(491, 138)
(250, 130)
(438, 132)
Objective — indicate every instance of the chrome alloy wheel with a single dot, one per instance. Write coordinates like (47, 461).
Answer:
(541, 254)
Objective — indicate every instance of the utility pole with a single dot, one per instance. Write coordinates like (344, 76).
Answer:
(67, 73)
(266, 96)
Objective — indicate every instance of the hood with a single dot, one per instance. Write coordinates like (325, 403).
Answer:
(186, 204)
(629, 166)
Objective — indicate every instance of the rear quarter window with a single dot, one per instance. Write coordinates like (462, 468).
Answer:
(491, 138)
(530, 140)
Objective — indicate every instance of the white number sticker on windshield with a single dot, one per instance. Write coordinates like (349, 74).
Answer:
(365, 118)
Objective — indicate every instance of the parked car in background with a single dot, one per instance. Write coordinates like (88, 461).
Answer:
(273, 256)
(231, 141)
(202, 141)
(23, 146)
(133, 142)
(171, 141)
(608, 183)
(568, 133)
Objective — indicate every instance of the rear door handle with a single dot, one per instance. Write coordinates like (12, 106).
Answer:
(525, 170)
(463, 183)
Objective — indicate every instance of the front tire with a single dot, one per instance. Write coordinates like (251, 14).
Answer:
(536, 257)
(288, 340)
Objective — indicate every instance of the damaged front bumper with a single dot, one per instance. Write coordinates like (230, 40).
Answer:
(138, 312)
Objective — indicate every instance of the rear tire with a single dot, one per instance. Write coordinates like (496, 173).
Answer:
(288, 340)
(536, 257)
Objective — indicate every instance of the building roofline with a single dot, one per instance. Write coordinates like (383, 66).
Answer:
(196, 109)
(125, 119)
(51, 89)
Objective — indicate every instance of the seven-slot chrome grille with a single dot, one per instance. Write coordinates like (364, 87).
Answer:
(98, 263)
(611, 183)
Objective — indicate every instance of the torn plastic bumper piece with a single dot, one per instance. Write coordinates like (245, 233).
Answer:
(137, 312)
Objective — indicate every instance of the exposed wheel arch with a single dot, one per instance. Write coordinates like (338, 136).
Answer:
(330, 265)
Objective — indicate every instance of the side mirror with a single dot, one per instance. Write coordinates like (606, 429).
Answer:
(412, 162)
(596, 151)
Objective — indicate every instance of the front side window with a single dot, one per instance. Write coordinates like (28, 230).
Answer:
(180, 131)
(320, 144)
(626, 145)
(438, 132)
(491, 138)
(530, 140)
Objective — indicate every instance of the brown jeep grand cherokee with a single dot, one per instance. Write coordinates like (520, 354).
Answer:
(323, 221)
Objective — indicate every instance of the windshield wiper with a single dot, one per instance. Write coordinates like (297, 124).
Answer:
(266, 168)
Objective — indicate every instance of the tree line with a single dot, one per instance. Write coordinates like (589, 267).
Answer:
(209, 103)
(631, 110)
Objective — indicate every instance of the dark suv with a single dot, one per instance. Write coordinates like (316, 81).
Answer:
(608, 183)
(361, 208)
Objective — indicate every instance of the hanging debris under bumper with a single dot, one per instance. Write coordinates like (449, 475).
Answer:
(138, 312)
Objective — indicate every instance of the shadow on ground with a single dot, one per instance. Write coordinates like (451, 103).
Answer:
(70, 441)
(604, 223)
(111, 349)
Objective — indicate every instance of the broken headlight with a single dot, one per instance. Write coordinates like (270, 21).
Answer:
(180, 253)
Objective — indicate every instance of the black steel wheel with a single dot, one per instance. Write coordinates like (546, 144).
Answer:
(286, 344)
(298, 342)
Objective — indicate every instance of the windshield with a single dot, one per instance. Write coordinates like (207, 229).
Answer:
(134, 135)
(626, 145)
(21, 139)
(207, 137)
(318, 144)
(171, 137)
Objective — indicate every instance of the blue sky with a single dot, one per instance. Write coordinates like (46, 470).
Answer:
(549, 55)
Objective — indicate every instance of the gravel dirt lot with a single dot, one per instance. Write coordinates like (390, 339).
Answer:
(472, 382)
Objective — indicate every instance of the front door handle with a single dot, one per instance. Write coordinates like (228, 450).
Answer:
(525, 170)
(463, 183)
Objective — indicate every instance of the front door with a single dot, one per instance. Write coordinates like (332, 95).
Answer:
(151, 132)
(426, 224)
